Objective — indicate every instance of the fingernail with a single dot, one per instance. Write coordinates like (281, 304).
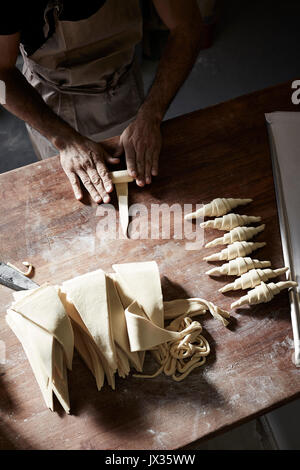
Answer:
(148, 180)
(133, 173)
(106, 199)
(109, 187)
(140, 183)
(97, 198)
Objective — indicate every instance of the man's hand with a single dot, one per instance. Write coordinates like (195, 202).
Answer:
(85, 160)
(141, 141)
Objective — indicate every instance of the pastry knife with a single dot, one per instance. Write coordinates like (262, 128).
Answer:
(13, 279)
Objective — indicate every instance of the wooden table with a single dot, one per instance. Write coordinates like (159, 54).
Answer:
(219, 151)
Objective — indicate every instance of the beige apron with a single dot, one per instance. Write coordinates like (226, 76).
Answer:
(86, 71)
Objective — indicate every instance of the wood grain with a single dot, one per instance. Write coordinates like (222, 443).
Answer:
(216, 152)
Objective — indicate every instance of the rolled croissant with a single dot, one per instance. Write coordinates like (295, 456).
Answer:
(234, 250)
(235, 235)
(217, 207)
(238, 266)
(230, 221)
(253, 278)
(263, 293)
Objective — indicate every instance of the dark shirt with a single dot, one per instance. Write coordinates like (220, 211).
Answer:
(27, 17)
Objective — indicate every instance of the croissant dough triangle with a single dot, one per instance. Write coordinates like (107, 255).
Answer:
(253, 278)
(235, 235)
(263, 293)
(217, 207)
(238, 266)
(38, 306)
(141, 282)
(22, 332)
(230, 221)
(235, 250)
(119, 327)
(88, 294)
(40, 322)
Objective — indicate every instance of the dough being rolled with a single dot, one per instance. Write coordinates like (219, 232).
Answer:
(217, 207)
(230, 221)
(235, 235)
(121, 180)
(235, 250)
(121, 176)
(253, 278)
(263, 293)
(238, 266)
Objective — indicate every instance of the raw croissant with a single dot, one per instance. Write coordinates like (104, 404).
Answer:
(234, 250)
(238, 266)
(263, 293)
(219, 206)
(230, 221)
(235, 235)
(253, 278)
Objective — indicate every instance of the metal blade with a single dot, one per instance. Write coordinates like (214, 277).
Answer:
(11, 278)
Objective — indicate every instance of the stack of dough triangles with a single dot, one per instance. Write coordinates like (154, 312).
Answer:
(115, 318)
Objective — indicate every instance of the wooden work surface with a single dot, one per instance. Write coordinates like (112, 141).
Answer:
(221, 151)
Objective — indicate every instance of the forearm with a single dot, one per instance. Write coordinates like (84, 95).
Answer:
(177, 60)
(24, 102)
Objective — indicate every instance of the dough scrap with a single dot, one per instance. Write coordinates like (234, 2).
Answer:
(236, 234)
(194, 306)
(181, 356)
(238, 266)
(217, 207)
(235, 250)
(230, 221)
(28, 265)
(253, 278)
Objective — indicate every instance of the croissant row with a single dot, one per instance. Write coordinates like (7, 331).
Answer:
(253, 278)
(234, 250)
(236, 234)
(217, 207)
(263, 293)
(230, 221)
